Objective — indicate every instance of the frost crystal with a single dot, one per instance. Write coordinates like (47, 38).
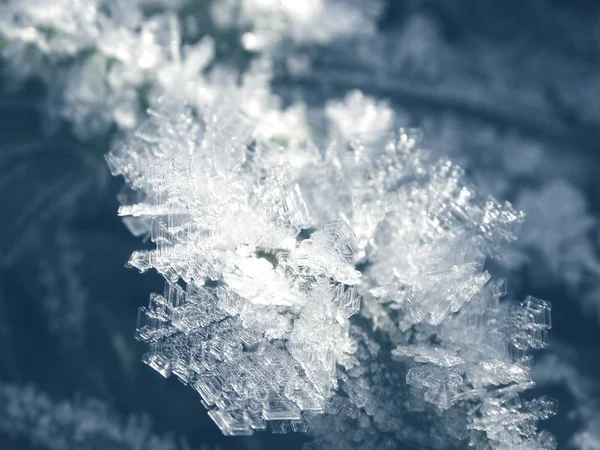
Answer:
(105, 57)
(423, 230)
(255, 312)
(309, 21)
(253, 317)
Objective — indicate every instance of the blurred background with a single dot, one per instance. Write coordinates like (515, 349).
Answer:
(510, 90)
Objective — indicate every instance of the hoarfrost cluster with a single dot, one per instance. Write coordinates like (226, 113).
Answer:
(331, 278)
(35, 417)
(263, 318)
(259, 293)
(102, 56)
(269, 22)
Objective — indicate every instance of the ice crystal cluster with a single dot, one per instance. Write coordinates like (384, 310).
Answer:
(97, 57)
(262, 318)
(324, 272)
(256, 312)
(424, 236)
(269, 22)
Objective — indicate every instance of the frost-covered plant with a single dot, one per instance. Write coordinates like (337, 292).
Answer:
(259, 297)
(34, 417)
(269, 22)
(424, 235)
(97, 57)
(248, 295)
(262, 318)
(104, 61)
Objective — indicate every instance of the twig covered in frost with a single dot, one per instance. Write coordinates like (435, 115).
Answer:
(97, 57)
(258, 299)
(104, 61)
(26, 413)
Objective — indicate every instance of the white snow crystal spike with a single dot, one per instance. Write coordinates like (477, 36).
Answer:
(532, 322)
(442, 385)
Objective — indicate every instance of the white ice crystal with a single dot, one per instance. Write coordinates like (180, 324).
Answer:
(97, 57)
(252, 289)
(310, 21)
(261, 317)
(248, 295)
(424, 231)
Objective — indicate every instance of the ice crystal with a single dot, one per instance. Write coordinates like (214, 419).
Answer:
(312, 21)
(257, 287)
(103, 55)
(253, 317)
(464, 388)
(423, 232)
(254, 290)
